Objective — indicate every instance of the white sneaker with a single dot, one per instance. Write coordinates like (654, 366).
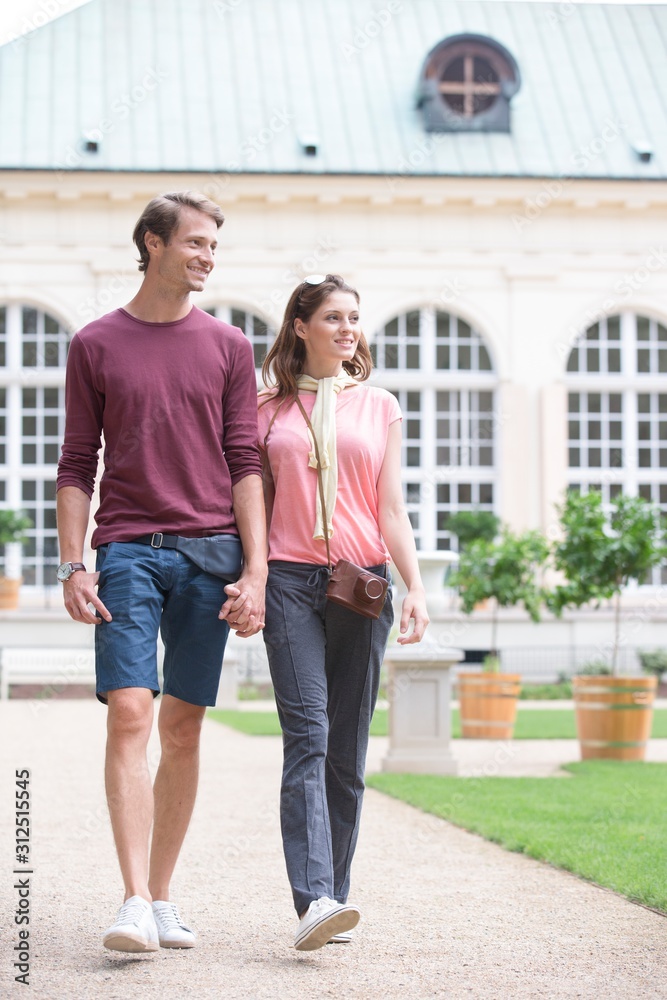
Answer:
(172, 932)
(134, 929)
(345, 938)
(323, 919)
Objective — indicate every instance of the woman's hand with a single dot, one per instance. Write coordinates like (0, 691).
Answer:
(244, 608)
(414, 608)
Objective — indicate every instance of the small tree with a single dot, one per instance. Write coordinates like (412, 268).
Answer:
(470, 525)
(13, 526)
(654, 662)
(600, 553)
(504, 570)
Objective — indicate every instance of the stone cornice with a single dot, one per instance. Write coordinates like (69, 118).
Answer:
(334, 191)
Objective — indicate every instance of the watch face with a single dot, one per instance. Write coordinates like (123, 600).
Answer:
(64, 572)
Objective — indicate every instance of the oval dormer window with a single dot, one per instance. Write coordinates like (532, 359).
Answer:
(467, 83)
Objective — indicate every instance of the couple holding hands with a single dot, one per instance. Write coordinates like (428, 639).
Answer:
(199, 472)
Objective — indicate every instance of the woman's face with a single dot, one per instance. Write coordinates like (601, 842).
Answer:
(331, 334)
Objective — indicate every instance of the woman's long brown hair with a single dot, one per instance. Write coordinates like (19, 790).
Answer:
(287, 356)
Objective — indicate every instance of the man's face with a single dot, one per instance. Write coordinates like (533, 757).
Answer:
(186, 261)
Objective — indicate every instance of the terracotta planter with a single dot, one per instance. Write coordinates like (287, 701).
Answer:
(488, 705)
(9, 593)
(614, 715)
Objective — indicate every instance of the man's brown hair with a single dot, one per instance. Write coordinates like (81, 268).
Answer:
(162, 216)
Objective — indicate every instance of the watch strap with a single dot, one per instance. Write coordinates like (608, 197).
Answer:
(73, 568)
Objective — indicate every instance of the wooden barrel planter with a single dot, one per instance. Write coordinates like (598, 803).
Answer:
(614, 716)
(487, 703)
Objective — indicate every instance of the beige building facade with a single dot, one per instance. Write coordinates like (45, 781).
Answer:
(519, 314)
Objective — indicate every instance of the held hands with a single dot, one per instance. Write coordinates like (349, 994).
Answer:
(244, 608)
(414, 607)
(79, 592)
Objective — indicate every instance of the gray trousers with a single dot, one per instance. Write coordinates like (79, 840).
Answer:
(325, 665)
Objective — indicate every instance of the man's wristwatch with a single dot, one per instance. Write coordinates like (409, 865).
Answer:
(65, 570)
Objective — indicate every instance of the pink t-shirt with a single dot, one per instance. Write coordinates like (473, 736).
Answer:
(363, 416)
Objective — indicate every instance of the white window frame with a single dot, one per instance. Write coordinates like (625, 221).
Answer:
(14, 472)
(629, 383)
(224, 312)
(428, 380)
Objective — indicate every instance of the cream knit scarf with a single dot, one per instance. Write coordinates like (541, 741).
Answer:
(323, 419)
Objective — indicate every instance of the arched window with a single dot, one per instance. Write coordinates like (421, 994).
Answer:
(33, 354)
(617, 411)
(259, 333)
(440, 370)
(467, 83)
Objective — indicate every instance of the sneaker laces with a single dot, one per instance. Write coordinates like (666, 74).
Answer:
(322, 904)
(131, 912)
(169, 916)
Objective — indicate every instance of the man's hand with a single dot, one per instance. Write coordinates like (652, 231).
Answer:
(79, 591)
(244, 608)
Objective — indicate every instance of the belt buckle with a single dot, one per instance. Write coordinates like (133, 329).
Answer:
(155, 544)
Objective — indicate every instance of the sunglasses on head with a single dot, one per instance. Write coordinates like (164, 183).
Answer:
(311, 279)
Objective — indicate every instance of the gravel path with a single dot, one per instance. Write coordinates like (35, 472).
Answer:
(445, 914)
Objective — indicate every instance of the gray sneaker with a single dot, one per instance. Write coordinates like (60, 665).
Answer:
(324, 919)
(134, 929)
(172, 932)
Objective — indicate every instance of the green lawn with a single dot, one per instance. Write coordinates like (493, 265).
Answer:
(266, 723)
(531, 723)
(606, 824)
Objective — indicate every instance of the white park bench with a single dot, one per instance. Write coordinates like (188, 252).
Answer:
(50, 667)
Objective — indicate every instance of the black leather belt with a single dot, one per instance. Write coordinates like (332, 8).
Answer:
(158, 541)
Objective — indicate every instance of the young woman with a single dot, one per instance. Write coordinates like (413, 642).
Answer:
(325, 659)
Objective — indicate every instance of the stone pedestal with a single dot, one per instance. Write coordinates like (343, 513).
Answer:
(432, 567)
(419, 691)
(228, 689)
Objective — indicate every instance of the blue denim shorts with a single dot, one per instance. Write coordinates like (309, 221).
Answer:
(147, 591)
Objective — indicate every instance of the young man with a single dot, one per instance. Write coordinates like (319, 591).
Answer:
(173, 392)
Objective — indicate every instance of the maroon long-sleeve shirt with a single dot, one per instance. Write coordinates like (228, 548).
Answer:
(177, 405)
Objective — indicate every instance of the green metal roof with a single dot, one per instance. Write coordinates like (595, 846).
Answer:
(244, 85)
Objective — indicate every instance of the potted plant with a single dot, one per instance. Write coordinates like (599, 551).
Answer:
(502, 570)
(653, 662)
(13, 526)
(599, 553)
